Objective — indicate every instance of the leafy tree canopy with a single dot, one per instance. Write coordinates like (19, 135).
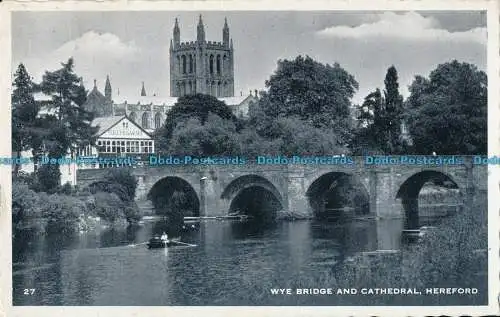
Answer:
(215, 136)
(447, 113)
(310, 90)
(198, 107)
(318, 95)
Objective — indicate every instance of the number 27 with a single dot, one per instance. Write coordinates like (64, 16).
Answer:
(29, 291)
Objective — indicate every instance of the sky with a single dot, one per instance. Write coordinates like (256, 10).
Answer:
(133, 47)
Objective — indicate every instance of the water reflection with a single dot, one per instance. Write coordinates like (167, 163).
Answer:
(112, 267)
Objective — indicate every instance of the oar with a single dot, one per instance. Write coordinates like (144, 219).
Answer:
(133, 245)
(188, 244)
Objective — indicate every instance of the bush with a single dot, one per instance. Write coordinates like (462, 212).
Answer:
(111, 188)
(25, 202)
(127, 182)
(61, 212)
(132, 213)
(109, 206)
(48, 177)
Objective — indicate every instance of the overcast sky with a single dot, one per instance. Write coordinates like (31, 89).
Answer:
(133, 46)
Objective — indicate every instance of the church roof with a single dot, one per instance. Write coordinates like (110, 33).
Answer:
(95, 93)
(170, 101)
(146, 100)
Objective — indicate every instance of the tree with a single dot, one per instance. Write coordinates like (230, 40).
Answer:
(119, 182)
(70, 124)
(216, 136)
(198, 107)
(24, 112)
(310, 141)
(123, 177)
(393, 111)
(370, 135)
(316, 94)
(447, 113)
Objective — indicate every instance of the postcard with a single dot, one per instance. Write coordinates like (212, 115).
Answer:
(277, 159)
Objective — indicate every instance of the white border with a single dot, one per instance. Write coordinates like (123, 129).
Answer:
(258, 5)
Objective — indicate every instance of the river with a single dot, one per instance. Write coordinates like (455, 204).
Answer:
(234, 263)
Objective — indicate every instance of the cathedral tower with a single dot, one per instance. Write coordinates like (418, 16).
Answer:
(202, 66)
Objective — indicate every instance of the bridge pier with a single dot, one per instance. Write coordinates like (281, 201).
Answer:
(141, 191)
(383, 203)
(210, 203)
(296, 201)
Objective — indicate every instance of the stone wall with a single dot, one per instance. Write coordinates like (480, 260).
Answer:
(291, 182)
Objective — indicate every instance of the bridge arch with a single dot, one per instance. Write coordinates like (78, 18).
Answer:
(409, 190)
(338, 195)
(252, 195)
(174, 192)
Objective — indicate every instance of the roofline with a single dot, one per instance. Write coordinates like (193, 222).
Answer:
(120, 120)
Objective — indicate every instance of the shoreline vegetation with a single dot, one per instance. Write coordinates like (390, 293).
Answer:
(70, 209)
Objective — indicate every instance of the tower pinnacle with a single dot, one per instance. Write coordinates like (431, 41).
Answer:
(200, 31)
(225, 33)
(177, 34)
(143, 90)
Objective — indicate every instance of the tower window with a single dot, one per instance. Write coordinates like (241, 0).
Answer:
(183, 64)
(218, 64)
(211, 64)
(190, 63)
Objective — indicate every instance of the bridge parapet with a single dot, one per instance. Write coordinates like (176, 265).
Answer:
(292, 181)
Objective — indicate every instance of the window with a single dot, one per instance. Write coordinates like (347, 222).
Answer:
(113, 146)
(157, 120)
(183, 64)
(218, 64)
(211, 63)
(145, 120)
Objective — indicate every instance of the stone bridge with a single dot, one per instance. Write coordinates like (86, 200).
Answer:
(391, 189)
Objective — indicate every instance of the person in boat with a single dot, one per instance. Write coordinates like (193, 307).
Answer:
(164, 237)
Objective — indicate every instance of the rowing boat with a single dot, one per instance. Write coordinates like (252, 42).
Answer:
(157, 243)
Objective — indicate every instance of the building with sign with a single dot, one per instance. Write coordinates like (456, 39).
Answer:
(118, 136)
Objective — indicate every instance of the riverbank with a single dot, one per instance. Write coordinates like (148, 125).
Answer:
(70, 209)
(453, 256)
